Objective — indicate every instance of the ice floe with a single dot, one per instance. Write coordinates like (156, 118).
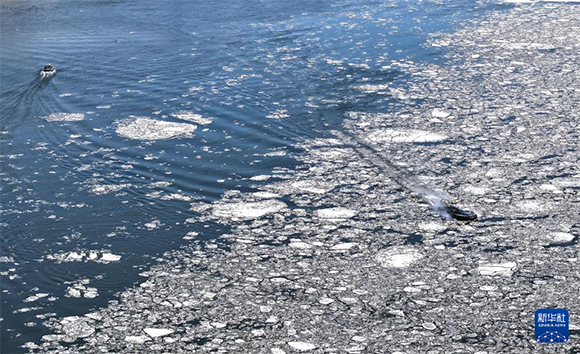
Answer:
(84, 256)
(248, 210)
(64, 117)
(192, 117)
(302, 346)
(557, 238)
(336, 213)
(80, 290)
(144, 128)
(398, 257)
(158, 332)
(36, 297)
(100, 189)
(405, 136)
(504, 269)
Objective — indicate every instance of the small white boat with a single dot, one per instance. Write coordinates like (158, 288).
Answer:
(48, 70)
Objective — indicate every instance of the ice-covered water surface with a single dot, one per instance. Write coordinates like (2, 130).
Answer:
(159, 109)
(337, 245)
(341, 253)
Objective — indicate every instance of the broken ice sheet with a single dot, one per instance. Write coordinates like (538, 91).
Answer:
(64, 117)
(192, 117)
(336, 213)
(405, 136)
(398, 257)
(247, 210)
(503, 269)
(144, 128)
(98, 256)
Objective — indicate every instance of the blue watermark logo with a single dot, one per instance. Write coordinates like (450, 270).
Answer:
(552, 326)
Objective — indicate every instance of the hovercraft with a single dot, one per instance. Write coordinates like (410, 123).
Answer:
(48, 70)
(458, 214)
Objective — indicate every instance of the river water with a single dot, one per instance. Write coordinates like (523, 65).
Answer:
(159, 105)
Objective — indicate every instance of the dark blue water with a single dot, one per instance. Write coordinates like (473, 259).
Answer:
(263, 75)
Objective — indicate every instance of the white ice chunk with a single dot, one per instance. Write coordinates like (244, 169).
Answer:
(64, 117)
(109, 257)
(398, 257)
(438, 113)
(192, 117)
(343, 246)
(404, 136)
(559, 237)
(248, 210)
(158, 332)
(153, 224)
(260, 178)
(503, 269)
(137, 339)
(100, 189)
(313, 186)
(302, 346)
(35, 297)
(475, 190)
(336, 213)
(143, 128)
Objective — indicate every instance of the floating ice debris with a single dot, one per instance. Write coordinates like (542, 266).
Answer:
(530, 205)
(190, 235)
(152, 225)
(84, 256)
(558, 237)
(432, 226)
(326, 301)
(429, 325)
(79, 290)
(27, 309)
(143, 128)
(302, 346)
(265, 195)
(279, 114)
(137, 339)
(105, 106)
(404, 136)
(260, 178)
(299, 245)
(567, 183)
(158, 332)
(109, 257)
(316, 187)
(35, 297)
(343, 246)
(77, 327)
(475, 190)
(6, 259)
(64, 117)
(373, 88)
(192, 117)
(336, 213)
(100, 189)
(503, 269)
(551, 188)
(398, 257)
(176, 196)
(438, 113)
(248, 210)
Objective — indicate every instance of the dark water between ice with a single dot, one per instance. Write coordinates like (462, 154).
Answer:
(254, 77)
